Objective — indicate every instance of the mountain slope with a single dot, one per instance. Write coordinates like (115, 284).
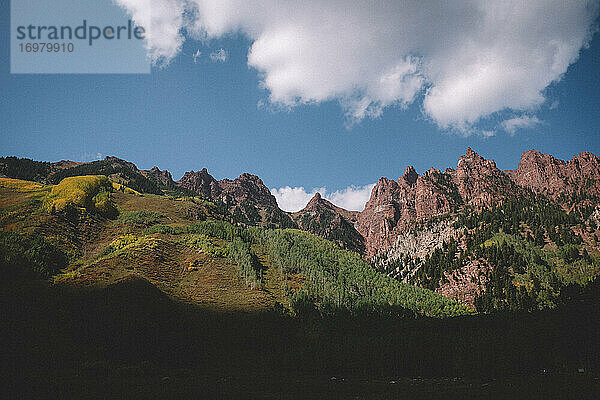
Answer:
(442, 236)
(324, 219)
(395, 206)
(487, 238)
(199, 257)
(246, 197)
(575, 184)
(119, 171)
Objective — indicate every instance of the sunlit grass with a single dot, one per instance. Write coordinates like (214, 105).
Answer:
(91, 192)
(19, 185)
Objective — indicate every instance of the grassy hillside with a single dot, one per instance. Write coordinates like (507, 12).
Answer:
(188, 249)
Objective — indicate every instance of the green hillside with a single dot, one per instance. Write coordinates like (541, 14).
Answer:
(190, 250)
(538, 255)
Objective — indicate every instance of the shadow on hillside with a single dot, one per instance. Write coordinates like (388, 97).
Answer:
(131, 340)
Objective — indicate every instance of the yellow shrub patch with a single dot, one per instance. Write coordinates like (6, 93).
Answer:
(91, 192)
(125, 189)
(19, 185)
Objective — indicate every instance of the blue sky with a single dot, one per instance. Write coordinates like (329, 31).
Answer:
(217, 115)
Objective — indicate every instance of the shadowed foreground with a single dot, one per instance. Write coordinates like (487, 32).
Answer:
(130, 340)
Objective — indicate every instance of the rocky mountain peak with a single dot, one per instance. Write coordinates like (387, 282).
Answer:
(533, 157)
(473, 160)
(586, 155)
(587, 162)
(200, 182)
(432, 171)
(410, 175)
(250, 179)
(548, 175)
(116, 161)
(395, 206)
(246, 188)
(162, 177)
(325, 219)
(472, 154)
(316, 202)
(479, 182)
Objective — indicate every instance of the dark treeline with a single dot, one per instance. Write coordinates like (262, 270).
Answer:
(542, 218)
(24, 168)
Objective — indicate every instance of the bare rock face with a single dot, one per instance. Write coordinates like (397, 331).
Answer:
(388, 204)
(415, 243)
(246, 188)
(162, 177)
(246, 197)
(557, 179)
(200, 182)
(467, 283)
(397, 205)
(324, 219)
(434, 195)
(595, 216)
(480, 183)
(318, 203)
(251, 202)
(410, 175)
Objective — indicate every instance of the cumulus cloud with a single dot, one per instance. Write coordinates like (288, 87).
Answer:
(351, 198)
(465, 60)
(522, 122)
(293, 198)
(220, 55)
(163, 21)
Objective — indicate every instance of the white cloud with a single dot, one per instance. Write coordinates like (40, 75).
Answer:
(162, 21)
(466, 59)
(220, 55)
(522, 122)
(295, 199)
(352, 198)
(87, 157)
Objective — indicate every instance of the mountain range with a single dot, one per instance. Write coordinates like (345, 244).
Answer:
(488, 238)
